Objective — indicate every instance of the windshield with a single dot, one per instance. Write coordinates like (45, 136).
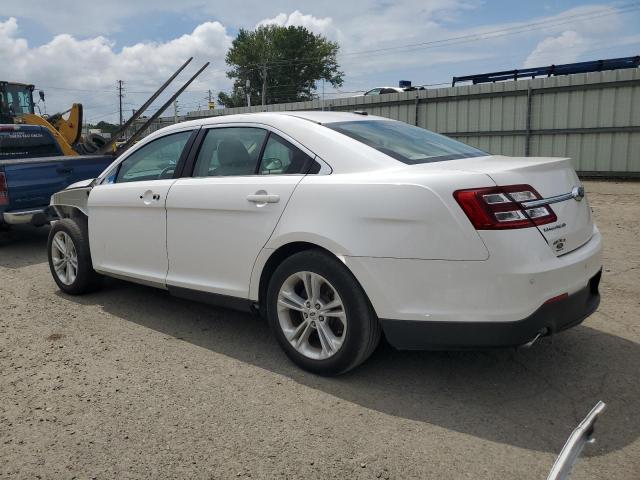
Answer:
(406, 143)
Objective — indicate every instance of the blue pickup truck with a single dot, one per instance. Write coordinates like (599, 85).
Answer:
(32, 168)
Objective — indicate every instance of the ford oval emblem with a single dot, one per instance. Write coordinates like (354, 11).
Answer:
(577, 193)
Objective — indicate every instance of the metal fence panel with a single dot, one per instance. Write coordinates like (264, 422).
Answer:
(593, 118)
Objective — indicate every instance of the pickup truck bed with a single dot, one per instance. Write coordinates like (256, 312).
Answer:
(26, 184)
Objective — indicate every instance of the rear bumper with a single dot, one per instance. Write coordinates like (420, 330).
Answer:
(32, 216)
(550, 318)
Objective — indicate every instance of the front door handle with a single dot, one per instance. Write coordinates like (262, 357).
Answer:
(263, 198)
(149, 197)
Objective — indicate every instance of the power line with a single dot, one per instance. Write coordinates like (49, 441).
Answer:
(469, 37)
(517, 29)
(510, 30)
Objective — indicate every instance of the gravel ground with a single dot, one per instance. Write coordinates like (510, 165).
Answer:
(131, 383)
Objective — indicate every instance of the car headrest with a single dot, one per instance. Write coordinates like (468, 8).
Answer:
(232, 152)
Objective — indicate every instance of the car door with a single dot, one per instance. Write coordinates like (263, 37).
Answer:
(127, 216)
(219, 219)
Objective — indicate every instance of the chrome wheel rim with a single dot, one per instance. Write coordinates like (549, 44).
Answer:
(64, 258)
(312, 315)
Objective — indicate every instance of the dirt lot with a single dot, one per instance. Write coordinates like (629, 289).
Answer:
(131, 383)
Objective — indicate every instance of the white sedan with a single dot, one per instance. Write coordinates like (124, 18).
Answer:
(339, 227)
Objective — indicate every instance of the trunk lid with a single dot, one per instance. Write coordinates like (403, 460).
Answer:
(551, 177)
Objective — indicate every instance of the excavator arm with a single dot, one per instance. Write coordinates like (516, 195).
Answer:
(33, 119)
(71, 127)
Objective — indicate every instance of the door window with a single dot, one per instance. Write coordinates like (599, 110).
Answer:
(230, 151)
(155, 161)
(281, 157)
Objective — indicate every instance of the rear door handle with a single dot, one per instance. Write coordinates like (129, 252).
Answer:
(263, 198)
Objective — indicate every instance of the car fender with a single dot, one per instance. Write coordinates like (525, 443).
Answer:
(278, 241)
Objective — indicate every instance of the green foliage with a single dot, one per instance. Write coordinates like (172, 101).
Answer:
(293, 58)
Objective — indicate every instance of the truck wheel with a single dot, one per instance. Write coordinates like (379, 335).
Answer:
(70, 258)
(320, 315)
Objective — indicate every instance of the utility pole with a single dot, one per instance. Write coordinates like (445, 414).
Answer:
(175, 111)
(264, 84)
(247, 90)
(323, 94)
(120, 99)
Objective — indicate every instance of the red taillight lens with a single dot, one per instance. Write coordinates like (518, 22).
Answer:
(4, 191)
(498, 208)
(557, 298)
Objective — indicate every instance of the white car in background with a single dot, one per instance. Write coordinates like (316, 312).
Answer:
(338, 227)
(383, 90)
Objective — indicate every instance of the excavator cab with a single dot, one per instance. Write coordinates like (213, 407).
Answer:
(16, 99)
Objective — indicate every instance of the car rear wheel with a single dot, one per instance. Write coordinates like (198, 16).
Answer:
(320, 315)
(70, 258)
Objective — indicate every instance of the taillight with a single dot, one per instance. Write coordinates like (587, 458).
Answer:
(4, 190)
(497, 208)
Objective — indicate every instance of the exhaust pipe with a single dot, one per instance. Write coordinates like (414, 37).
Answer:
(530, 343)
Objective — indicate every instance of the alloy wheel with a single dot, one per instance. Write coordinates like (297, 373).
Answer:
(64, 258)
(312, 315)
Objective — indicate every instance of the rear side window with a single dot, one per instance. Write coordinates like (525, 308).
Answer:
(282, 158)
(230, 151)
(406, 143)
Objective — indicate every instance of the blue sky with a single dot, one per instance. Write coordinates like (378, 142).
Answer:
(79, 56)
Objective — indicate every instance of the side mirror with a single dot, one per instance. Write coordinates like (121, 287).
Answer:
(41, 93)
(272, 164)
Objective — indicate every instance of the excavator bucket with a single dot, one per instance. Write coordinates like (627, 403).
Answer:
(71, 127)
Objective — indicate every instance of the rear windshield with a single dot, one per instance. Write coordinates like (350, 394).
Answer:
(404, 142)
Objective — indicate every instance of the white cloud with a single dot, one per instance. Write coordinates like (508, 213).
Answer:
(81, 52)
(87, 70)
(322, 26)
(564, 48)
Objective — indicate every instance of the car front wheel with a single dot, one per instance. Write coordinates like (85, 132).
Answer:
(320, 314)
(70, 258)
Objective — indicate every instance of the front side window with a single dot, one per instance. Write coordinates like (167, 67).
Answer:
(406, 143)
(282, 158)
(230, 151)
(155, 161)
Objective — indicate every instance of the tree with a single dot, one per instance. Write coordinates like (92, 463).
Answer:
(282, 64)
(105, 127)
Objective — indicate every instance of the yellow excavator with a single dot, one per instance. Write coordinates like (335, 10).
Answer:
(17, 106)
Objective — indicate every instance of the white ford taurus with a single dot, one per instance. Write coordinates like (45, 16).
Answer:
(338, 227)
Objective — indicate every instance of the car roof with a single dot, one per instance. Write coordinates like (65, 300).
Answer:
(322, 117)
(272, 118)
(275, 118)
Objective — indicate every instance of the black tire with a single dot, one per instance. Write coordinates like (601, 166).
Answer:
(363, 333)
(86, 279)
